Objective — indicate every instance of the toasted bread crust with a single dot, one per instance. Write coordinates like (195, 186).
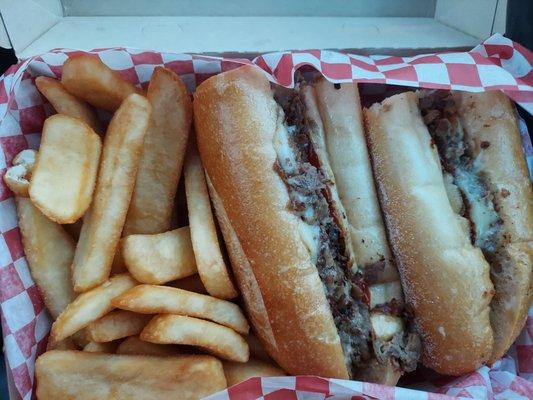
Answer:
(236, 119)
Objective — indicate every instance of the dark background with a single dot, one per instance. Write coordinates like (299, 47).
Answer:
(519, 29)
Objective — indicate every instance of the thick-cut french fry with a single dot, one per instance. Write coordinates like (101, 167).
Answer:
(239, 372)
(192, 283)
(49, 251)
(89, 79)
(218, 340)
(163, 153)
(159, 258)
(64, 176)
(89, 376)
(96, 347)
(67, 104)
(209, 261)
(26, 157)
(134, 345)
(151, 299)
(103, 223)
(17, 177)
(89, 306)
(117, 324)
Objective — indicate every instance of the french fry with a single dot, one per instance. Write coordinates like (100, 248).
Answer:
(192, 283)
(159, 258)
(26, 157)
(89, 306)
(117, 324)
(151, 299)
(163, 153)
(96, 347)
(218, 340)
(17, 176)
(49, 251)
(89, 79)
(82, 375)
(103, 223)
(209, 261)
(239, 372)
(64, 175)
(67, 104)
(134, 345)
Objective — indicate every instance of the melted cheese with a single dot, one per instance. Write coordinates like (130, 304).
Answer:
(481, 210)
(284, 151)
(385, 326)
(310, 235)
(384, 292)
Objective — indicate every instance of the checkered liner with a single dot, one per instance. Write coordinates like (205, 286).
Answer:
(497, 63)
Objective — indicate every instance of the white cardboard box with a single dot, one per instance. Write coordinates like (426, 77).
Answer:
(209, 26)
(33, 27)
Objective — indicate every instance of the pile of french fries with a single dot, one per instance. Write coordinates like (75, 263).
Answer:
(141, 307)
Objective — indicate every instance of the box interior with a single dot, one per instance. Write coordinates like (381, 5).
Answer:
(32, 27)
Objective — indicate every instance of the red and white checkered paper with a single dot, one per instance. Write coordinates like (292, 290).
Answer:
(497, 63)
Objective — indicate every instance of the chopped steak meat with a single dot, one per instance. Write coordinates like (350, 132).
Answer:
(393, 307)
(402, 349)
(309, 194)
(440, 115)
(311, 199)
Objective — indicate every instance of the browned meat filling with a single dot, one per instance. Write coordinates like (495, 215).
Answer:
(310, 199)
(403, 348)
(346, 290)
(440, 115)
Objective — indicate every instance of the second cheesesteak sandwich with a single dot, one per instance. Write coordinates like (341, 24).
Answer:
(287, 232)
(456, 195)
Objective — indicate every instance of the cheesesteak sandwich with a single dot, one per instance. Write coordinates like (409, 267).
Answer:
(341, 114)
(457, 199)
(286, 231)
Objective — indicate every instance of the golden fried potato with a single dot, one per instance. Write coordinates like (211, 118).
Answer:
(238, 372)
(117, 324)
(89, 79)
(163, 153)
(64, 176)
(17, 177)
(89, 306)
(151, 299)
(218, 340)
(209, 261)
(82, 375)
(103, 223)
(67, 104)
(49, 251)
(159, 258)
